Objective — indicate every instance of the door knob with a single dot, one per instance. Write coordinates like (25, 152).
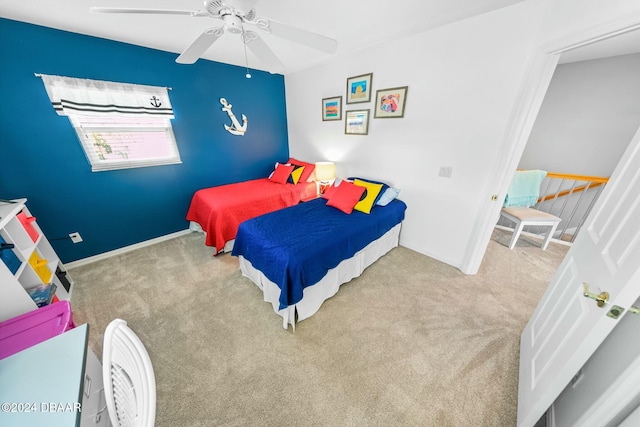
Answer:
(601, 299)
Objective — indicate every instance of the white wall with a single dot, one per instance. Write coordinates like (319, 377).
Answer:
(474, 90)
(463, 81)
(589, 115)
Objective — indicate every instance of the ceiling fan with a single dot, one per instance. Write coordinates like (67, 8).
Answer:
(234, 14)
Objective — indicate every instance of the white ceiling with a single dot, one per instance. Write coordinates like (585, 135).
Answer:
(355, 24)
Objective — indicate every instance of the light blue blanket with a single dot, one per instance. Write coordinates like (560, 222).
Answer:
(524, 189)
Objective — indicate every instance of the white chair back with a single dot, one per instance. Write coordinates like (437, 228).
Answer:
(129, 380)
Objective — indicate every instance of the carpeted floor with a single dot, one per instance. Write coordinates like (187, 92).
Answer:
(411, 342)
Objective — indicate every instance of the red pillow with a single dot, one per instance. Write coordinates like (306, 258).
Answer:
(329, 191)
(346, 196)
(282, 173)
(332, 188)
(308, 168)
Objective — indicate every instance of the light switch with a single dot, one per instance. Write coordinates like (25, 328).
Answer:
(445, 171)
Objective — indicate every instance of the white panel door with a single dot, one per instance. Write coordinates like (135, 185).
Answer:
(567, 327)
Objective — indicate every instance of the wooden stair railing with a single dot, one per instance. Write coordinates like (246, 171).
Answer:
(557, 190)
(572, 211)
(592, 182)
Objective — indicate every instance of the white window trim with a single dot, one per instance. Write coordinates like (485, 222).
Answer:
(83, 131)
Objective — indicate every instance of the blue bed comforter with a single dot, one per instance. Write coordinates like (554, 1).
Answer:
(296, 246)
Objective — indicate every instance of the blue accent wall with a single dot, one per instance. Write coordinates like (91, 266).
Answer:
(41, 158)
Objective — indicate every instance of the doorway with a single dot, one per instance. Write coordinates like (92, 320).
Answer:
(589, 114)
(614, 39)
(581, 394)
(536, 403)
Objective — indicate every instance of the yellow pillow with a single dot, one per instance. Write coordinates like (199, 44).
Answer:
(368, 197)
(296, 174)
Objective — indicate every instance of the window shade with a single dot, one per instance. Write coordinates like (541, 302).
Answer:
(72, 96)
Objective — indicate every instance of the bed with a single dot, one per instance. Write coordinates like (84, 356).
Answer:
(299, 256)
(218, 211)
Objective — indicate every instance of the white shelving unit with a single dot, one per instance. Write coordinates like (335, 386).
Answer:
(14, 299)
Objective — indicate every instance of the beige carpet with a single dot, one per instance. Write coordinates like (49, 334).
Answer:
(412, 342)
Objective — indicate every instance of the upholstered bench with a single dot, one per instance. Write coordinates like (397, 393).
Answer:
(528, 216)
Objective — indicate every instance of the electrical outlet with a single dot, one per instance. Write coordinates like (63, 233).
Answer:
(75, 237)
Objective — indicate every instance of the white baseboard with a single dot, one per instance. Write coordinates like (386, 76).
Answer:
(89, 260)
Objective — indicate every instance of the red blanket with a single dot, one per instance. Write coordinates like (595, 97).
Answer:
(220, 210)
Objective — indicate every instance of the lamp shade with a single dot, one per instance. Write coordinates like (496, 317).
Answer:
(325, 171)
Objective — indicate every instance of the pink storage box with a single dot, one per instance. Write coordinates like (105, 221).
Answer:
(29, 329)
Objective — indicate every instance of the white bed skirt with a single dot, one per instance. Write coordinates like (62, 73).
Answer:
(194, 226)
(328, 286)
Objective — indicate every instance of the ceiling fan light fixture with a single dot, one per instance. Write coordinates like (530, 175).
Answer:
(263, 24)
(233, 23)
(251, 15)
(234, 14)
(214, 7)
(218, 32)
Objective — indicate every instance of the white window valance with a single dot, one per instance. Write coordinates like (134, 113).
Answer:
(72, 96)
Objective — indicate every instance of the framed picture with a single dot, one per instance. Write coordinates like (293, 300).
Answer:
(359, 88)
(390, 102)
(332, 108)
(356, 122)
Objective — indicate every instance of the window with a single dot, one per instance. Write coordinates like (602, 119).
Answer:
(126, 142)
(119, 125)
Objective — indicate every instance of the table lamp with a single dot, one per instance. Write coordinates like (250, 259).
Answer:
(325, 175)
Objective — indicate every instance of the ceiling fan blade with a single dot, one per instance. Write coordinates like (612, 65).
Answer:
(263, 52)
(307, 38)
(149, 11)
(200, 45)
